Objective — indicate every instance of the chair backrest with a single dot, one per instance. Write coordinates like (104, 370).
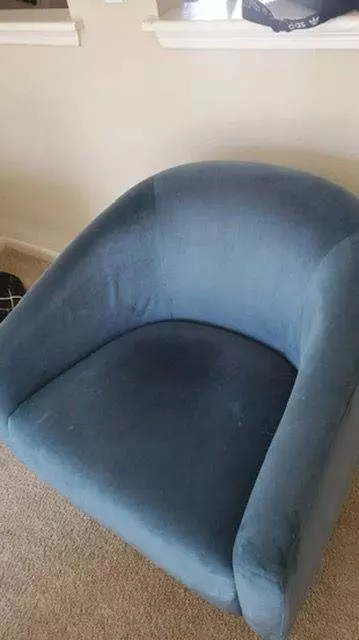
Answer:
(231, 244)
(262, 250)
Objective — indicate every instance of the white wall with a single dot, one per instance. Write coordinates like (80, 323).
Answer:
(78, 126)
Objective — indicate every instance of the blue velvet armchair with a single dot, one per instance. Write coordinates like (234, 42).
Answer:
(187, 371)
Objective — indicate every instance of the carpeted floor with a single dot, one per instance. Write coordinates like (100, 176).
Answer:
(63, 576)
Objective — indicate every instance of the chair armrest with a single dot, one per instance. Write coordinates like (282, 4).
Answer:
(309, 464)
(83, 301)
(292, 509)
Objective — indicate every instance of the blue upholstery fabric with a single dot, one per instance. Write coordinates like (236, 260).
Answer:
(160, 435)
(264, 251)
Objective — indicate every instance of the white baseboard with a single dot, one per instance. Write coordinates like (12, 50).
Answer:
(25, 247)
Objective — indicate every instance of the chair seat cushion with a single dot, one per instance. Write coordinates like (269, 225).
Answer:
(160, 435)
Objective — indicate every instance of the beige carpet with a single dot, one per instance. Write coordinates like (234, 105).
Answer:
(63, 576)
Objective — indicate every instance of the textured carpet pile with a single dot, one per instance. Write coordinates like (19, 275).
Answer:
(65, 577)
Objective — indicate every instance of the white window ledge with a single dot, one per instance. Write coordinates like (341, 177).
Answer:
(174, 32)
(38, 26)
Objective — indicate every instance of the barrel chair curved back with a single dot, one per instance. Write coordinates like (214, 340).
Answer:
(186, 372)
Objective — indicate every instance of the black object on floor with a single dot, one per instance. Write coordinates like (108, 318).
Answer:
(11, 292)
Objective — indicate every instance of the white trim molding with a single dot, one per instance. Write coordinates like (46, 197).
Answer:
(173, 32)
(25, 247)
(38, 27)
